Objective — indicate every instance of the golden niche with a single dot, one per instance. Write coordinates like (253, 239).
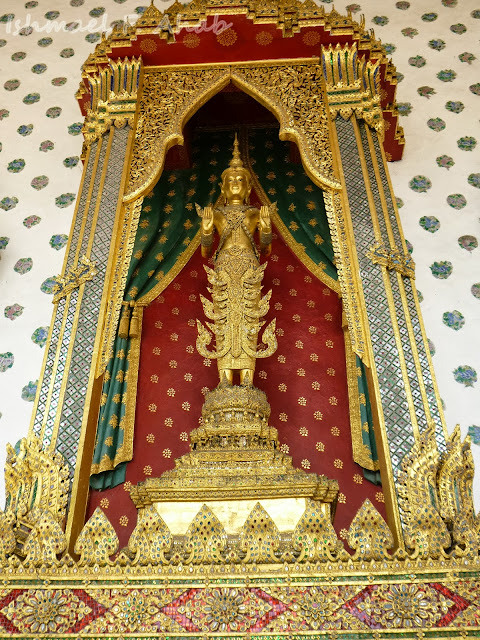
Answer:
(235, 453)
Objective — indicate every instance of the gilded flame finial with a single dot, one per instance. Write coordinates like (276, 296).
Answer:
(236, 161)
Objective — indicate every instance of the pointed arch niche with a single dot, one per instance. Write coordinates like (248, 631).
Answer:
(312, 381)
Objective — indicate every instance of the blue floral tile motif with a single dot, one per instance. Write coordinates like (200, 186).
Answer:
(474, 180)
(409, 246)
(430, 17)
(469, 243)
(25, 129)
(77, 3)
(52, 15)
(39, 182)
(13, 311)
(475, 14)
(465, 375)
(92, 37)
(475, 290)
(474, 433)
(7, 17)
(2, 42)
(437, 44)
(39, 336)
(31, 98)
(429, 223)
(72, 26)
(71, 162)
(58, 241)
(6, 361)
(431, 348)
(17, 165)
(404, 108)
(445, 162)
(45, 42)
(75, 129)
(39, 68)
(53, 112)
(67, 53)
(458, 28)
(389, 48)
(453, 319)
(457, 201)
(18, 56)
(420, 184)
(4, 242)
(8, 203)
(466, 57)
(446, 75)
(46, 145)
(467, 143)
(64, 200)
(441, 270)
(96, 12)
(417, 61)
(454, 107)
(11, 85)
(436, 124)
(380, 21)
(29, 391)
(23, 265)
(426, 92)
(475, 88)
(48, 285)
(31, 221)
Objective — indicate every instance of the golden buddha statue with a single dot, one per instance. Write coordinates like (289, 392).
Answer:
(237, 307)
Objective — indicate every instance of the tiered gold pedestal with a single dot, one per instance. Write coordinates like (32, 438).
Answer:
(234, 462)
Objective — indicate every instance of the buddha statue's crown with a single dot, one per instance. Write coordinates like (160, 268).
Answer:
(236, 163)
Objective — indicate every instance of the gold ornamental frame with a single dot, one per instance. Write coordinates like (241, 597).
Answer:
(160, 120)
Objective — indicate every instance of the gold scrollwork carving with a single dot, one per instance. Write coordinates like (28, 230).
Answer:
(170, 97)
(295, 94)
(425, 531)
(369, 534)
(97, 541)
(36, 483)
(113, 93)
(352, 85)
(455, 478)
(392, 259)
(345, 258)
(74, 277)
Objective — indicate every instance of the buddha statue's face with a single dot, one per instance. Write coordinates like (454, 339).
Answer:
(235, 186)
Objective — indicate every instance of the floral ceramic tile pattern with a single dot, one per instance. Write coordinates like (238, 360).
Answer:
(434, 45)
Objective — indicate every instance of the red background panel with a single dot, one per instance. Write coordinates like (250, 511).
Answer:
(305, 382)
